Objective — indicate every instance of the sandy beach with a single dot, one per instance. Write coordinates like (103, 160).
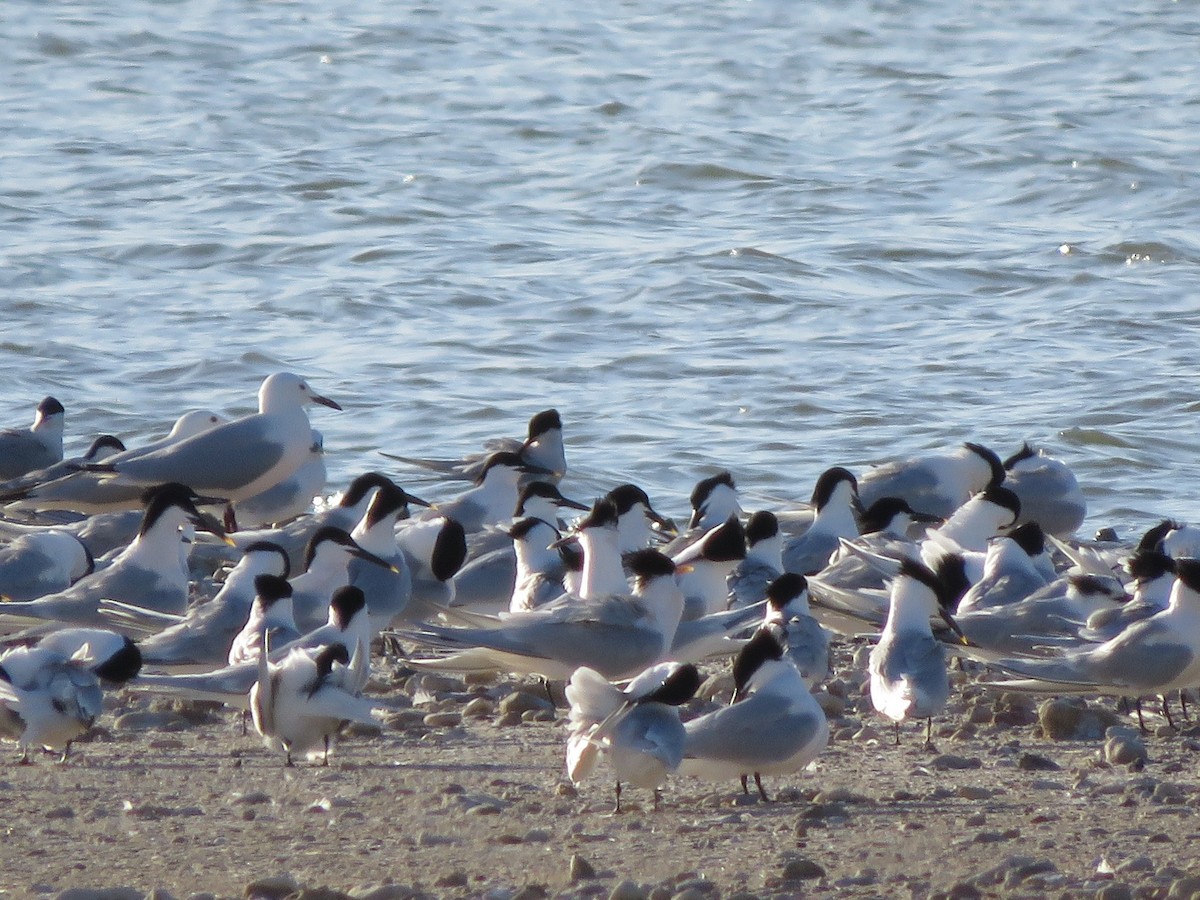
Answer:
(462, 793)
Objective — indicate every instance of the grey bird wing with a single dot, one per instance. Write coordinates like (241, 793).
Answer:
(230, 685)
(760, 730)
(1146, 658)
(223, 458)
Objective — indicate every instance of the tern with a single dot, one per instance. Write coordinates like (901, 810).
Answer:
(636, 729)
(774, 726)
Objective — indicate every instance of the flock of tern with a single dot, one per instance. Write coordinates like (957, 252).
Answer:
(116, 573)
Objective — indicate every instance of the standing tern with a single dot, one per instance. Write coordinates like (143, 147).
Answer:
(907, 667)
(805, 642)
(774, 726)
(301, 702)
(1155, 655)
(271, 615)
(637, 729)
(388, 590)
(51, 693)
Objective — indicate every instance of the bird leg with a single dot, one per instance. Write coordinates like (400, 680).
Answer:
(1183, 703)
(1167, 713)
(746, 785)
(657, 798)
(762, 793)
(230, 522)
(617, 806)
(929, 733)
(66, 752)
(1137, 705)
(896, 725)
(325, 759)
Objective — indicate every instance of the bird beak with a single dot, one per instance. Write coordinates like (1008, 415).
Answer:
(371, 557)
(573, 504)
(324, 401)
(666, 525)
(949, 619)
(417, 500)
(206, 522)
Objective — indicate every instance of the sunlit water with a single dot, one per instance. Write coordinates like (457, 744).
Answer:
(766, 236)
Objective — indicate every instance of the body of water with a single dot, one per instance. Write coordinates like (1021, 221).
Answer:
(765, 236)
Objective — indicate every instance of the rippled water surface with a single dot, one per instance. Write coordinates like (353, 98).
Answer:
(762, 235)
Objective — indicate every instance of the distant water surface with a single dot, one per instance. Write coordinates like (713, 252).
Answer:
(765, 236)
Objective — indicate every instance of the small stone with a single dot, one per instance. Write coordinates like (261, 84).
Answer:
(166, 744)
(274, 887)
(114, 893)
(1033, 762)
(531, 892)
(434, 683)
(974, 792)
(537, 836)
(457, 878)
(964, 891)
(580, 869)
(479, 708)
(628, 890)
(802, 870)
(1137, 864)
(1072, 719)
(147, 720)
(61, 812)
(1184, 888)
(950, 761)
(1115, 891)
(443, 719)
(1124, 747)
(385, 892)
(520, 702)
